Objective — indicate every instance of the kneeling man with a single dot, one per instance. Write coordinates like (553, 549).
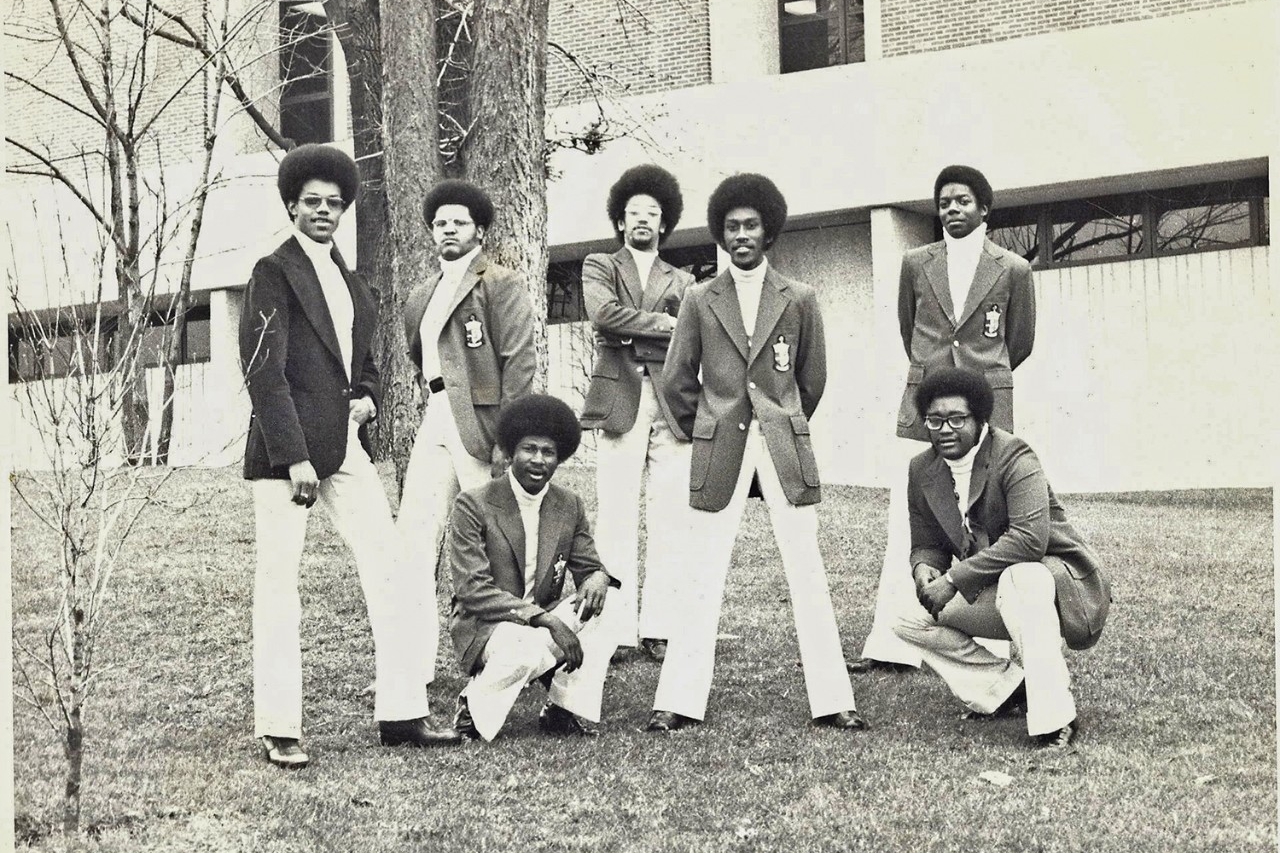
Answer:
(1021, 570)
(512, 542)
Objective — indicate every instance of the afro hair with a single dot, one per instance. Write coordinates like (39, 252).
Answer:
(317, 162)
(957, 382)
(465, 193)
(649, 180)
(970, 177)
(540, 415)
(747, 190)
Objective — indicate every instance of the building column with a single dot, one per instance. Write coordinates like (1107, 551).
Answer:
(744, 39)
(228, 407)
(893, 231)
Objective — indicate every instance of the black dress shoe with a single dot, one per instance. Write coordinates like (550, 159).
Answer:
(669, 721)
(463, 724)
(655, 649)
(422, 731)
(861, 666)
(555, 720)
(285, 752)
(1059, 740)
(850, 720)
(1014, 706)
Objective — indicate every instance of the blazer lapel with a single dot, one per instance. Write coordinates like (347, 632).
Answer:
(508, 516)
(773, 300)
(935, 269)
(551, 520)
(981, 471)
(939, 491)
(724, 304)
(306, 287)
(984, 278)
(469, 280)
(659, 283)
(630, 275)
(415, 307)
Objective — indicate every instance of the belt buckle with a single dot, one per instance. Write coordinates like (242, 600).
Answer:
(436, 384)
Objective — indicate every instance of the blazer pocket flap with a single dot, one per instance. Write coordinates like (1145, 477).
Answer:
(915, 374)
(704, 428)
(799, 425)
(999, 377)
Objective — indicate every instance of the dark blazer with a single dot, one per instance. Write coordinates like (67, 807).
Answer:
(1015, 518)
(486, 555)
(992, 333)
(632, 336)
(716, 382)
(293, 367)
(486, 369)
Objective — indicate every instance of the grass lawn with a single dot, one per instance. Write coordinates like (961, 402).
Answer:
(1177, 704)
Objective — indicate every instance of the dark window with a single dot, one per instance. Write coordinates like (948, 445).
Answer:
(564, 280)
(819, 33)
(564, 292)
(306, 91)
(1197, 218)
(40, 349)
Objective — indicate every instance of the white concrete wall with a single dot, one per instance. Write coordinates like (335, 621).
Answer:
(1054, 111)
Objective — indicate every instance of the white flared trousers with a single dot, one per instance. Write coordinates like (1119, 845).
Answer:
(685, 681)
(356, 505)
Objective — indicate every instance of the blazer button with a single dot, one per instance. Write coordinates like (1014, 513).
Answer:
(955, 343)
(742, 426)
(640, 369)
(751, 385)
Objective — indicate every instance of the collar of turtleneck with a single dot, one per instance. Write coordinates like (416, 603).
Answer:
(751, 278)
(964, 465)
(454, 270)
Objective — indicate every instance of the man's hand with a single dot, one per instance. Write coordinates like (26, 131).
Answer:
(306, 485)
(923, 574)
(499, 462)
(361, 410)
(936, 594)
(564, 638)
(589, 599)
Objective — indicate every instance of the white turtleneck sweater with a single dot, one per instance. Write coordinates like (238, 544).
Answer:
(437, 312)
(749, 284)
(644, 263)
(962, 474)
(336, 294)
(962, 263)
(530, 510)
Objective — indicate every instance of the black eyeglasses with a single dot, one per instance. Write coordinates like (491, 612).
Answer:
(935, 422)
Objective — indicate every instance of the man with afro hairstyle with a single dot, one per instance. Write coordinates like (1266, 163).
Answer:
(744, 374)
(305, 344)
(962, 302)
(512, 542)
(470, 334)
(632, 297)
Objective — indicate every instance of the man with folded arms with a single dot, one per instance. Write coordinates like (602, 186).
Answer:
(632, 297)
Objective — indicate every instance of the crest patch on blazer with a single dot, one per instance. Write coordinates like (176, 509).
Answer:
(991, 321)
(782, 354)
(475, 332)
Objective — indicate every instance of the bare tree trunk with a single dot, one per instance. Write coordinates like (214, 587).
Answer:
(410, 140)
(359, 28)
(75, 717)
(504, 150)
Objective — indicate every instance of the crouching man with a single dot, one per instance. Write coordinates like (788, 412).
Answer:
(513, 540)
(993, 555)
